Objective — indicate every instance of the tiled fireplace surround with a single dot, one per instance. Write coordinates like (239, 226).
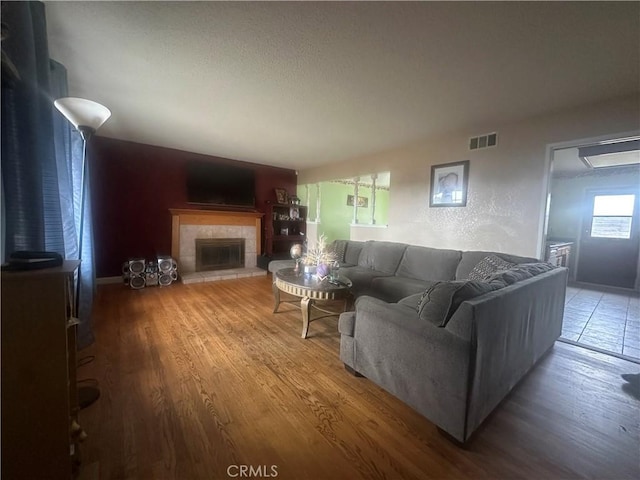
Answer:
(187, 225)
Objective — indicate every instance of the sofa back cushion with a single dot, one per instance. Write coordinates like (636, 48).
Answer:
(429, 264)
(382, 256)
(352, 252)
(470, 259)
(440, 301)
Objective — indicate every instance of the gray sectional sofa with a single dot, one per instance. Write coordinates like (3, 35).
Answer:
(448, 332)
(450, 347)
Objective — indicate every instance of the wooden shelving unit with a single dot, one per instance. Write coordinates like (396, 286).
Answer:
(284, 225)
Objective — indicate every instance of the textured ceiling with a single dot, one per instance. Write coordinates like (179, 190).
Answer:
(303, 84)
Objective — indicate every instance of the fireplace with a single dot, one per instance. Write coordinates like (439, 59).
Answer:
(219, 253)
(189, 225)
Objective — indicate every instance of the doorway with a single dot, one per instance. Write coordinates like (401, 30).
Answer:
(596, 210)
(609, 241)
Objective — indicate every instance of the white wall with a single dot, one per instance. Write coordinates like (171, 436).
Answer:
(507, 184)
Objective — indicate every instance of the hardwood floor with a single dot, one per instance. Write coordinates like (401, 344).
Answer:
(200, 379)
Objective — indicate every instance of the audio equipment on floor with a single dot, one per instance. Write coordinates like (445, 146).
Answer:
(138, 273)
(167, 270)
(151, 274)
(133, 273)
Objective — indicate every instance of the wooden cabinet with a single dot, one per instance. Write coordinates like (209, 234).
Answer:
(39, 393)
(285, 225)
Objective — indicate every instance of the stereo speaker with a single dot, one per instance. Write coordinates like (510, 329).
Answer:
(138, 273)
(133, 273)
(137, 281)
(167, 270)
(135, 266)
(166, 264)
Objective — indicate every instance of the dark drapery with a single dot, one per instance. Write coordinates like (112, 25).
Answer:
(41, 154)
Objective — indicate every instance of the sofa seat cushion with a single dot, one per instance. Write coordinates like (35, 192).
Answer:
(487, 267)
(411, 301)
(432, 264)
(440, 301)
(392, 289)
(361, 278)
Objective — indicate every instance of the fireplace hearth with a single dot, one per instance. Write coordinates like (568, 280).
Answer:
(219, 253)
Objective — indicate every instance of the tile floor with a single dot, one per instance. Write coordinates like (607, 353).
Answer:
(603, 318)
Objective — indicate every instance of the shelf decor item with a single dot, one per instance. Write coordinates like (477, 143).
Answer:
(281, 195)
(296, 254)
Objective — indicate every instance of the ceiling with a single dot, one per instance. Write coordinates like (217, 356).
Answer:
(301, 84)
(567, 161)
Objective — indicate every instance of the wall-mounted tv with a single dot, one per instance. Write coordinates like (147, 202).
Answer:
(219, 184)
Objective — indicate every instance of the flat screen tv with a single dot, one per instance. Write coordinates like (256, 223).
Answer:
(221, 185)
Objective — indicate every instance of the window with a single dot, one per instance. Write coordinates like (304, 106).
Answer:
(612, 216)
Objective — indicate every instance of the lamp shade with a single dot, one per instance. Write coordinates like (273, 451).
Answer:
(83, 113)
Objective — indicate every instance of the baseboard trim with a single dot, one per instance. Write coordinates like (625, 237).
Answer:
(108, 280)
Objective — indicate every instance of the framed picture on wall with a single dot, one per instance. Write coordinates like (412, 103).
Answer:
(362, 201)
(449, 183)
(281, 195)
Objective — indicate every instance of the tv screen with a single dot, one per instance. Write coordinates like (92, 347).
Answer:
(226, 185)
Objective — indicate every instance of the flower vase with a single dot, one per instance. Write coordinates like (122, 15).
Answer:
(322, 270)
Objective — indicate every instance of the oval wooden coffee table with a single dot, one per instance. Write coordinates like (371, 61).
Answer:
(311, 290)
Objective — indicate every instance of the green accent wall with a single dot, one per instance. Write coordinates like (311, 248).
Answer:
(335, 215)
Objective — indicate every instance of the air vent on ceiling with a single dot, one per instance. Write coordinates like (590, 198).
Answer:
(483, 141)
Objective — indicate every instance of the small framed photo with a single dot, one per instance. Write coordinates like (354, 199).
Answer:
(284, 231)
(362, 201)
(449, 183)
(281, 195)
(294, 213)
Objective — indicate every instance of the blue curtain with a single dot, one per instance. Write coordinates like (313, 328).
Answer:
(41, 154)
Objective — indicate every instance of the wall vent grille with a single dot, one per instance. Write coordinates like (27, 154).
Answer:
(483, 141)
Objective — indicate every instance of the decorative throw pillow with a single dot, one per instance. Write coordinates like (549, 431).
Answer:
(488, 266)
(440, 301)
(339, 247)
(520, 272)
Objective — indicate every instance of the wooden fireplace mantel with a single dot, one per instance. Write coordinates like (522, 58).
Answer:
(181, 216)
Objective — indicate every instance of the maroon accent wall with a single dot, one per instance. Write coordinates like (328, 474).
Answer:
(134, 186)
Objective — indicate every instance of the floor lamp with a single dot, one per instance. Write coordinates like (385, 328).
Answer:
(86, 116)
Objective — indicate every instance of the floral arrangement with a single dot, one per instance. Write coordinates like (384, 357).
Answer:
(318, 254)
